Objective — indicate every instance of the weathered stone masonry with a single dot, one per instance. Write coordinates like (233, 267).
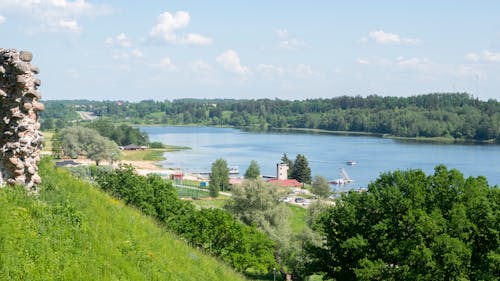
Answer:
(20, 139)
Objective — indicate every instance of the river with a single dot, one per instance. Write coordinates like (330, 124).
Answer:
(327, 153)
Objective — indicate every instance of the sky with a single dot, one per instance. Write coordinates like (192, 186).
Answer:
(165, 50)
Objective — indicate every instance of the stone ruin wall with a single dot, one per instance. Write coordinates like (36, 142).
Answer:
(20, 138)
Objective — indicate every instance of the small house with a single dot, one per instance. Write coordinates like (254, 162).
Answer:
(131, 147)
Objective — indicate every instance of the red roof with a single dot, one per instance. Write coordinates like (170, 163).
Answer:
(233, 181)
(285, 183)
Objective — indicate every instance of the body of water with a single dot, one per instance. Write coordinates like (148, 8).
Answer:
(327, 153)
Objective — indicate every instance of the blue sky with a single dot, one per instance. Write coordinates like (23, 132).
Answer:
(135, 50)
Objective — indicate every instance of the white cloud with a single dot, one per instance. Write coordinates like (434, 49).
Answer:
(2, 19)
(68, 25)
(230, 60)
(196, 39)
(387, 38)
(270, 71)
(166, 63)
(167, 25)
(123, 55)
(421, 65)
(363, 61)
(137, 53)
(119, 40)
(54, 15)
(287, 42)
(304, 71)
(486, 56)
(300, 71)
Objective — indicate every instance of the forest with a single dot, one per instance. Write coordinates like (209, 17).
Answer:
(454, 116)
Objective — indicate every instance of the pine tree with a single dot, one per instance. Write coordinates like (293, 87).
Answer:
(301, 170)
(289, 162)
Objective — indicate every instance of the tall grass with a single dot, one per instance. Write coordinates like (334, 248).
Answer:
(73, 231)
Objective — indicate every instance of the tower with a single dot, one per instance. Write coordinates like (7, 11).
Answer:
(282, 171)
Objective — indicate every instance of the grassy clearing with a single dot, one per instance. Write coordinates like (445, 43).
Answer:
(186, 192)
(144, 155)
(298, 218)
(151, 154)
(217, 203)
(73, 231)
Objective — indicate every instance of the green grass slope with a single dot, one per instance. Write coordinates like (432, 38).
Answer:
(73, 231)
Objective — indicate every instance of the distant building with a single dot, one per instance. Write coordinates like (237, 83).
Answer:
(282, 171)
(132, 147)
(285, 183)
(282, 177)
(177, 176)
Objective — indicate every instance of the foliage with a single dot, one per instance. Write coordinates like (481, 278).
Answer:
(448, 115)
(156, 144)
(122, 134)
(253, 171)
(301, 170)
(57, 115)
(321, 187)
(76, 141)
(73, 231)
(256, 203)
(214, 231)
(410, 226)
(56, 145)
(289, 162)
(219, 177)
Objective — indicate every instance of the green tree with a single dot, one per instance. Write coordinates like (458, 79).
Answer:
(253, 171)
(56, 145)
(255, 203)
(289, 162)
(321, 187)
(219, 177)
(301, 170)
(410, 226)
(76, 141)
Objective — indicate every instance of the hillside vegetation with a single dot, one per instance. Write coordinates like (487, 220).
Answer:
(73, 231)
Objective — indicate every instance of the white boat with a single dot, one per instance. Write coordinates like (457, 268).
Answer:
(344, 180)
(351, 162)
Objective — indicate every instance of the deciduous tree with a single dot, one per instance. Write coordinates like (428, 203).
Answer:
(410, 226)
(76, 141)
(321, 187)
(219, 177)
(253, 171)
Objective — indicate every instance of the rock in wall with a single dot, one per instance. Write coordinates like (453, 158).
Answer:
(20, 139)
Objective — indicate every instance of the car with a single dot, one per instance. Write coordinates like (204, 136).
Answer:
(299, 200)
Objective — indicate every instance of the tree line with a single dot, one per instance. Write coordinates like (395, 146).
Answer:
(449, 115)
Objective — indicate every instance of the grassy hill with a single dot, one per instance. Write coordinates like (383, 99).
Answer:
(73, 231)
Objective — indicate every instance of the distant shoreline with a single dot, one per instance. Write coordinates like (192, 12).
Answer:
(436, 140)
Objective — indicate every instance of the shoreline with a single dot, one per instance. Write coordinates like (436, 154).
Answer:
(435, 140)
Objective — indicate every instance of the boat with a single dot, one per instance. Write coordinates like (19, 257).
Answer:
(351, 162)
(234, 170)
(344, 180)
